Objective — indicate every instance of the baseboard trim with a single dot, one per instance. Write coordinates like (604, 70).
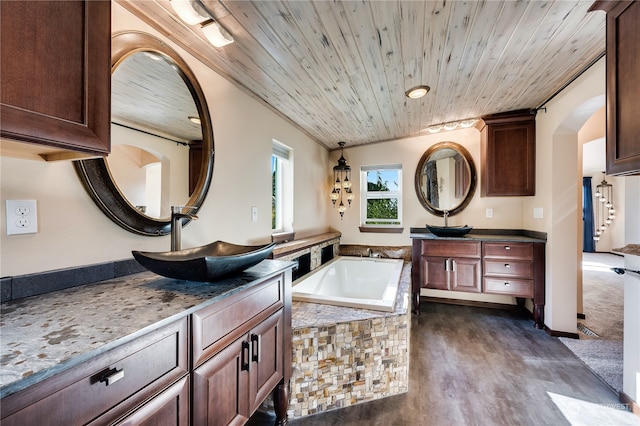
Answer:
(555, 333)
(633, 406)
(582, 316)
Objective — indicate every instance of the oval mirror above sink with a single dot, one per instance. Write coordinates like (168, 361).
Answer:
(445, 179)
(161, 138)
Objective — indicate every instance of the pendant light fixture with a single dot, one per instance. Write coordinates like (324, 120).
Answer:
(603, 206)
(341, 183)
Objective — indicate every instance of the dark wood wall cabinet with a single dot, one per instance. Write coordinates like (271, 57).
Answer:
(623, 85)
(508, 154)
(490, 267)
(56, 74)
(214, 366)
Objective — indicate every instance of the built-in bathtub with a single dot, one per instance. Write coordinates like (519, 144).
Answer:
(354, 282)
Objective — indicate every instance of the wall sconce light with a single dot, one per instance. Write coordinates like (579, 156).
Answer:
(341, 183)
(417, 92)
(216, 35)
(603, 206)
(452, 125)
(192, 12)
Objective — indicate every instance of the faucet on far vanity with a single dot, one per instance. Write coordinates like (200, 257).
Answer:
(176, 224)
(446, 218)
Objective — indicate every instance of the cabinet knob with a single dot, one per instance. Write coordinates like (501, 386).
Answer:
(507, 247)
(507, 284)
(506, 265)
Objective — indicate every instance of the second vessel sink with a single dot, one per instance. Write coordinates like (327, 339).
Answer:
(204, 263)
(449, 231)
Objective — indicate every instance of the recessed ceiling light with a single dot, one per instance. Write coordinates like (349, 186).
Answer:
(417, 92)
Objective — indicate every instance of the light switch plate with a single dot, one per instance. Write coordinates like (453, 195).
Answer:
(254, 214)
(538, 213)
(22, 217)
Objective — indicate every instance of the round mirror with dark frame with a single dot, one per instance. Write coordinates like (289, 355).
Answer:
(160, 120)
(445, 178)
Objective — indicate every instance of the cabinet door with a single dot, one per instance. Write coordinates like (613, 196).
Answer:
(508, 154)
(623, 89)
(169, 408)
(466, 275)
(221, 387)
(435, 272)
(266, 358)
(56, 73)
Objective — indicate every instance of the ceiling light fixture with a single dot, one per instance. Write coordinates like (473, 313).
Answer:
(190, 11)
(341, 183)
(195, 120)
(417, 92)
(452, 125)
(216, 35)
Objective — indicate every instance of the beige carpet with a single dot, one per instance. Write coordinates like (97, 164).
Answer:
(601, 332)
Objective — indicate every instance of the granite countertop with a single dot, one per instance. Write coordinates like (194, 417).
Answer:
(507, 235)
(46, 334)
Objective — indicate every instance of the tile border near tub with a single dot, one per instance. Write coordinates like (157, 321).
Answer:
(346, 356)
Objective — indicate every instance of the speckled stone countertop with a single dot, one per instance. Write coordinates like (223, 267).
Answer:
(507, 235)
(633, 249)
(47, 334)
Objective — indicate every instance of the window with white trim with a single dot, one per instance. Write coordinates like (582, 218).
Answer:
(381, 196)
(281, 188)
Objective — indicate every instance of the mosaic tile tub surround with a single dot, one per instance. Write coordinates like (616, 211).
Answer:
(345, 356)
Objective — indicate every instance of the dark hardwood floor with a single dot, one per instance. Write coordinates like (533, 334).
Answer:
(475, 366)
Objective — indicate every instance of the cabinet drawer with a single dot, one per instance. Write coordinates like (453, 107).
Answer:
(451, 248)
(521, 288)
(522, 251)
(120, 379)
(508, 268)
(219, 324)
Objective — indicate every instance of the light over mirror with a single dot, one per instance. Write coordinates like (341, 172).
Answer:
(445, 178)
(161, 138)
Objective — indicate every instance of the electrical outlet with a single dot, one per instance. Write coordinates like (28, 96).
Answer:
(489, 213)
(254, 214)
(22, 217)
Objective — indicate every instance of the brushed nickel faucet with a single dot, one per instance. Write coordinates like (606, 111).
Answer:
(176, 224)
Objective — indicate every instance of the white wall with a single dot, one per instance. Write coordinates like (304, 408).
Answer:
(74, 232)
(507, 210)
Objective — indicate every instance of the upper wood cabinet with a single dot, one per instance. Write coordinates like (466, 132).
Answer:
(56, 73)
(508, 155)
(623, 86)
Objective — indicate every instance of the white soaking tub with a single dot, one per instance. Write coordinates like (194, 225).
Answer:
(355, 282)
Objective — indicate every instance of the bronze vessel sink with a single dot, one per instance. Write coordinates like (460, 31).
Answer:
(204, 263)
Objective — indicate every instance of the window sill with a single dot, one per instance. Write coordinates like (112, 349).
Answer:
(382, 229)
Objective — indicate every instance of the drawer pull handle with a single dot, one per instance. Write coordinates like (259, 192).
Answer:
(112, 376)
(446, 265)
(245, 357)
(507, 247)
(256, 342)
(507, 284)
(506, 265)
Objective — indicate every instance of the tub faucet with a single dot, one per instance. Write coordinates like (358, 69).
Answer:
(176, 224)
(446, 218)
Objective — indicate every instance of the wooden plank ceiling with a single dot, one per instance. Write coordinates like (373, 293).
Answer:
(339, 69)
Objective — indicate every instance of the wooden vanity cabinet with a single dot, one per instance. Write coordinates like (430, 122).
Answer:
(242, 352)
(508, 155)
(55, 84)
(107, 388)
(623, 86)
(514, 269)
